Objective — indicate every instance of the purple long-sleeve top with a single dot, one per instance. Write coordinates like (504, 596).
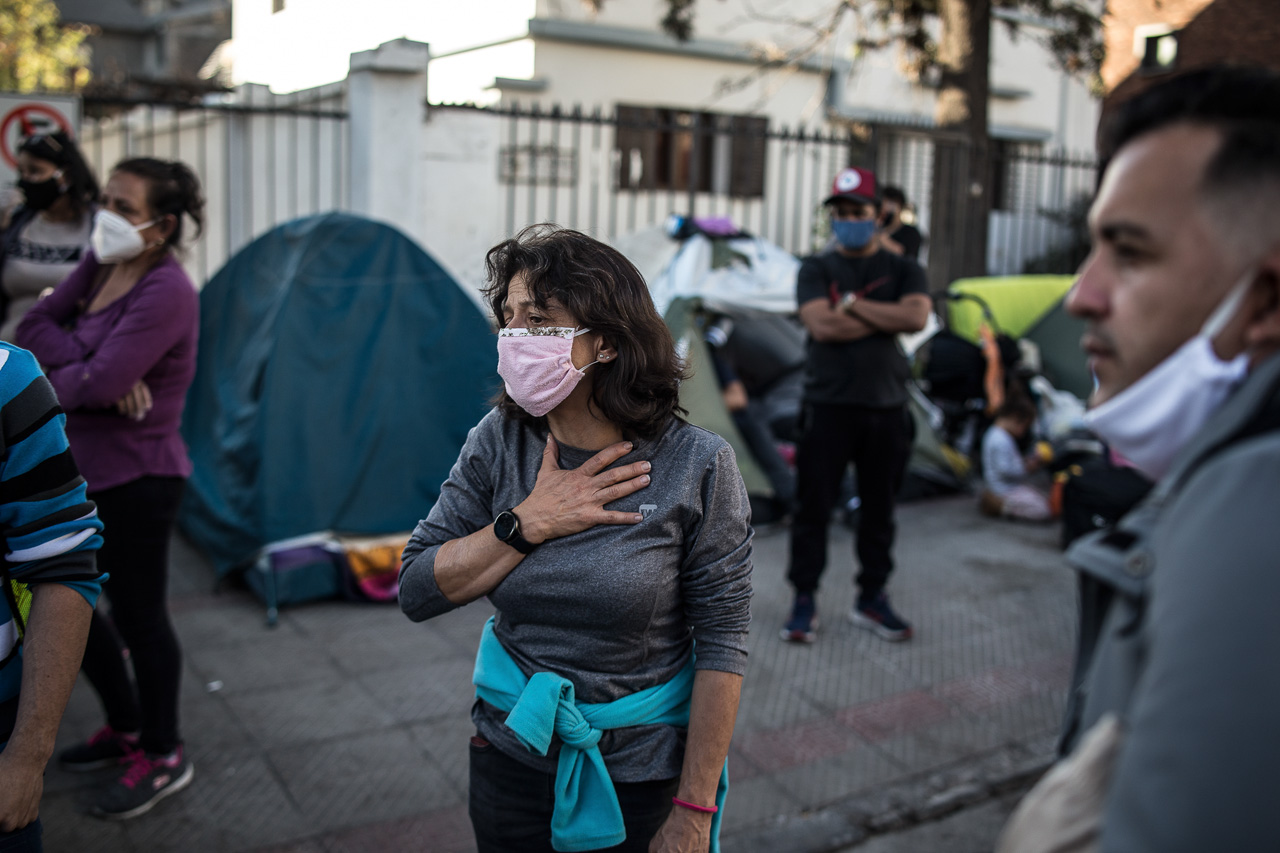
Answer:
(94, 359)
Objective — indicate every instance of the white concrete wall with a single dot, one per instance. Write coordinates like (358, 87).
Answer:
(465, 213)
(601, 76)
(257, 170)
(1058, 106)
(308, 44)
(1058, 103)
(763, 22)
(435, 175)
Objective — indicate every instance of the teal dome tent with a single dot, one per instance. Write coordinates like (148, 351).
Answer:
(340, 369)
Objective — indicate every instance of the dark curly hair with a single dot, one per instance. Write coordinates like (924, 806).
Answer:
(603, 291)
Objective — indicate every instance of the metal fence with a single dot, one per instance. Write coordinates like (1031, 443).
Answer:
(613, 174)
(616, 174)
(277, 157)
(259, 164)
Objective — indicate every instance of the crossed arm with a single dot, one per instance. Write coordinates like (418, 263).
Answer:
(829, 323)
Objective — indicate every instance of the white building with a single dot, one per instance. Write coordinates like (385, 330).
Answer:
(696, 126)
(558, 52)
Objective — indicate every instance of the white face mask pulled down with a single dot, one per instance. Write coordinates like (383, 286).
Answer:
(115, 239)
(1149, 422)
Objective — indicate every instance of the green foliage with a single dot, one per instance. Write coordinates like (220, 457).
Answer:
(36, 52)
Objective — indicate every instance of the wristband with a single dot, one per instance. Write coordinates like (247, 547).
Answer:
(695, 807)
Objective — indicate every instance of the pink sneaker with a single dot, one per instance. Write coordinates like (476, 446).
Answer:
(106, 748)
(147, 780)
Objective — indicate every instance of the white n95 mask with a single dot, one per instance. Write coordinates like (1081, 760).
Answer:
(115, 239)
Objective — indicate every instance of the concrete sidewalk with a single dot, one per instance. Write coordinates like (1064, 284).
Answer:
(345, 728)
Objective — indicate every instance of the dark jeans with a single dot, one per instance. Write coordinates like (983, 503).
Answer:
(138, 519)
(511, 805)
(878, 443)
(25, 840)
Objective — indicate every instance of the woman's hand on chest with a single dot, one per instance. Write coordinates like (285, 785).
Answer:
(564, 502)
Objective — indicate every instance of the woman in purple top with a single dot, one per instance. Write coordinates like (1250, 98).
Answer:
(117, 340)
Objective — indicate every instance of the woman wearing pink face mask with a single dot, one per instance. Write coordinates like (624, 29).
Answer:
(613, 538)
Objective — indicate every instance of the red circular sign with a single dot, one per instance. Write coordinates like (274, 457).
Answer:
(30, 118)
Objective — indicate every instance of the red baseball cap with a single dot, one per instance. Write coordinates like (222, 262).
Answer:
(854, 184)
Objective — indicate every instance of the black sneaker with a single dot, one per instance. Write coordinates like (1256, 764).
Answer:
(802, 627)
(875, 614)
(147, 781)
(106, 748)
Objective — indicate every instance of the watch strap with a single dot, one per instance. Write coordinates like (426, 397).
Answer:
(516, 538)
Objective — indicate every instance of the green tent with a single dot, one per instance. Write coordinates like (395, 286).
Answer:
(1028, 307)
(700, 393)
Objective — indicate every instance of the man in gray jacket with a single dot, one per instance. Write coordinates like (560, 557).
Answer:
(1172, 738)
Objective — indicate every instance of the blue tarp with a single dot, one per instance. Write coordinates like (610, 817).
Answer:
(340, 368)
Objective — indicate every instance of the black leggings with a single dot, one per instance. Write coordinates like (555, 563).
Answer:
(511, 805)
(138, 519)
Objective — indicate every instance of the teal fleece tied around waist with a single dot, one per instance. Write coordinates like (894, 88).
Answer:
(587, 815)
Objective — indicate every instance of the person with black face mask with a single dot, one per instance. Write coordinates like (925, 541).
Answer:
(47, 234)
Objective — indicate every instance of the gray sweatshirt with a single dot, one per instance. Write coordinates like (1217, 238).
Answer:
(615, 608)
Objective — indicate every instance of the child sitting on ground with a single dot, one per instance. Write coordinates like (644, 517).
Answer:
(1007, 491)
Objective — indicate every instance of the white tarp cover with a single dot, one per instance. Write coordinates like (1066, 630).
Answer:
(763, 277)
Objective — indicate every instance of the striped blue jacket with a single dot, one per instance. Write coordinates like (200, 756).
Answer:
(50, 529)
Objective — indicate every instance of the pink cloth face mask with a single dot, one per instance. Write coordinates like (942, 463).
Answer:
(537, 366)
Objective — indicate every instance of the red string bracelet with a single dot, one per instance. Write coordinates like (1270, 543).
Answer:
(695, 807)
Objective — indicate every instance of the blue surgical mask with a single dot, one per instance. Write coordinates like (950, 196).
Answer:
(855, 234)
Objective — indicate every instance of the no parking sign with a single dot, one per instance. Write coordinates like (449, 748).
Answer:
(23, 115)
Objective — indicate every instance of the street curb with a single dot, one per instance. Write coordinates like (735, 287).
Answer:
(917, 800)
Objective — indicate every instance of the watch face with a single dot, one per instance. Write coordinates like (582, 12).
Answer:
(505, 525)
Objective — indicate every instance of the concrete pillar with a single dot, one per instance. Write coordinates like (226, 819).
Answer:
(386, 98)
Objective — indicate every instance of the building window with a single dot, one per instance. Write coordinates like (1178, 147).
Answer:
(674, 150)
(277, 6)
(1156, 46)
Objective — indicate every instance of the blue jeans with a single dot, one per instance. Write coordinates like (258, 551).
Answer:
(25, 840)
(511, 805)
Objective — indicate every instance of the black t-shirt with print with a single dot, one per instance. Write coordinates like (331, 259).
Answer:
(871, 371)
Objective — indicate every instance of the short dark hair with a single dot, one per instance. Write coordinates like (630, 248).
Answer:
(172, 188)
(1241, 103)
(893, 193)
(640, 389)
(1017, 407)
(61, 150)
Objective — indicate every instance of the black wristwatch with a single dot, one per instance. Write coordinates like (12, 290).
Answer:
(507, 528)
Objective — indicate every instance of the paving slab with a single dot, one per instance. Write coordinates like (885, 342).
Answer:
(345, 727)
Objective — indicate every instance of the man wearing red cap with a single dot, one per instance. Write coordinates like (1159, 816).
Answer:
(854, 300)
